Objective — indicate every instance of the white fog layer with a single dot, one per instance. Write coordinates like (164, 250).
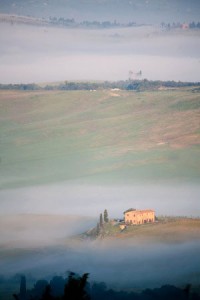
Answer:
(114, 263)
(176, 200)
(38, 54)
(73, 161)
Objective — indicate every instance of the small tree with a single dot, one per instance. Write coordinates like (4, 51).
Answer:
(105, 216)
(98, 229)
(47, 293)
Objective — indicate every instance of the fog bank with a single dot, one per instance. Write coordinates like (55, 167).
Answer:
(39, 54)
(89, 200)
(120, 265)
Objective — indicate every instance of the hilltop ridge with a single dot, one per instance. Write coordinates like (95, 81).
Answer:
(164, 230)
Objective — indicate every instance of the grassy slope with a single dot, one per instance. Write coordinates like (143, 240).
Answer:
(166, 230)
(102, 136)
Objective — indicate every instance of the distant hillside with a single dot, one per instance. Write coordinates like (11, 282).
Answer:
(15, 19)
(104, 136)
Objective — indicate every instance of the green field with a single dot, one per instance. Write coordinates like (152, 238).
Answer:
(101, 136)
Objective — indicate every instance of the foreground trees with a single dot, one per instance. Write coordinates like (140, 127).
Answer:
(77, 288)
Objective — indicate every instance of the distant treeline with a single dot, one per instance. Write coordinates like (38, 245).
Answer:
(21, 86)
(67, 22)
(108, 24)
(72, 23)
(134, 85)
(174, 25)
(96, 24)
(63, 22)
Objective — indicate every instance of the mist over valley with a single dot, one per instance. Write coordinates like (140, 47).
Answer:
(112, 260)
(39, 54)
(112, 125)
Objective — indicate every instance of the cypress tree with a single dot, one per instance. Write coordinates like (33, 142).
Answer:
(101, 221)
(106, 216)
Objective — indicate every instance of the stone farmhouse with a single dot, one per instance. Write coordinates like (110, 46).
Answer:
(135, 217)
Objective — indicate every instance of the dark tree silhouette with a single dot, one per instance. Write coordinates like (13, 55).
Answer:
(57, 284)
(22, 290)
(101, 221)
(39, 288)
(75, 288)
(47, 293)
(23, 287)
(105, 216)
(15, 297)
(187, 291)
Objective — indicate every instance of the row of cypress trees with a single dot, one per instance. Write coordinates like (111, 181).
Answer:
(103, 218)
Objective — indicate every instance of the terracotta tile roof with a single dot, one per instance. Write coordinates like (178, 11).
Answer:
(139, 211)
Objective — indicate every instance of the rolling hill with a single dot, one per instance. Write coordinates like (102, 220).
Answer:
(99, 136)
(167, 230)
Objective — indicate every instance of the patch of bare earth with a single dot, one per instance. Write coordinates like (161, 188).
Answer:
(178, 130)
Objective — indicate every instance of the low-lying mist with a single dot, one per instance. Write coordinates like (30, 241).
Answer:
(38, 225)
(40, 54)
(38, 230)
(121, 265)
(90, 200)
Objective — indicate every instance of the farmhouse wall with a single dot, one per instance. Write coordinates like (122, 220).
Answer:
(136, 217)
